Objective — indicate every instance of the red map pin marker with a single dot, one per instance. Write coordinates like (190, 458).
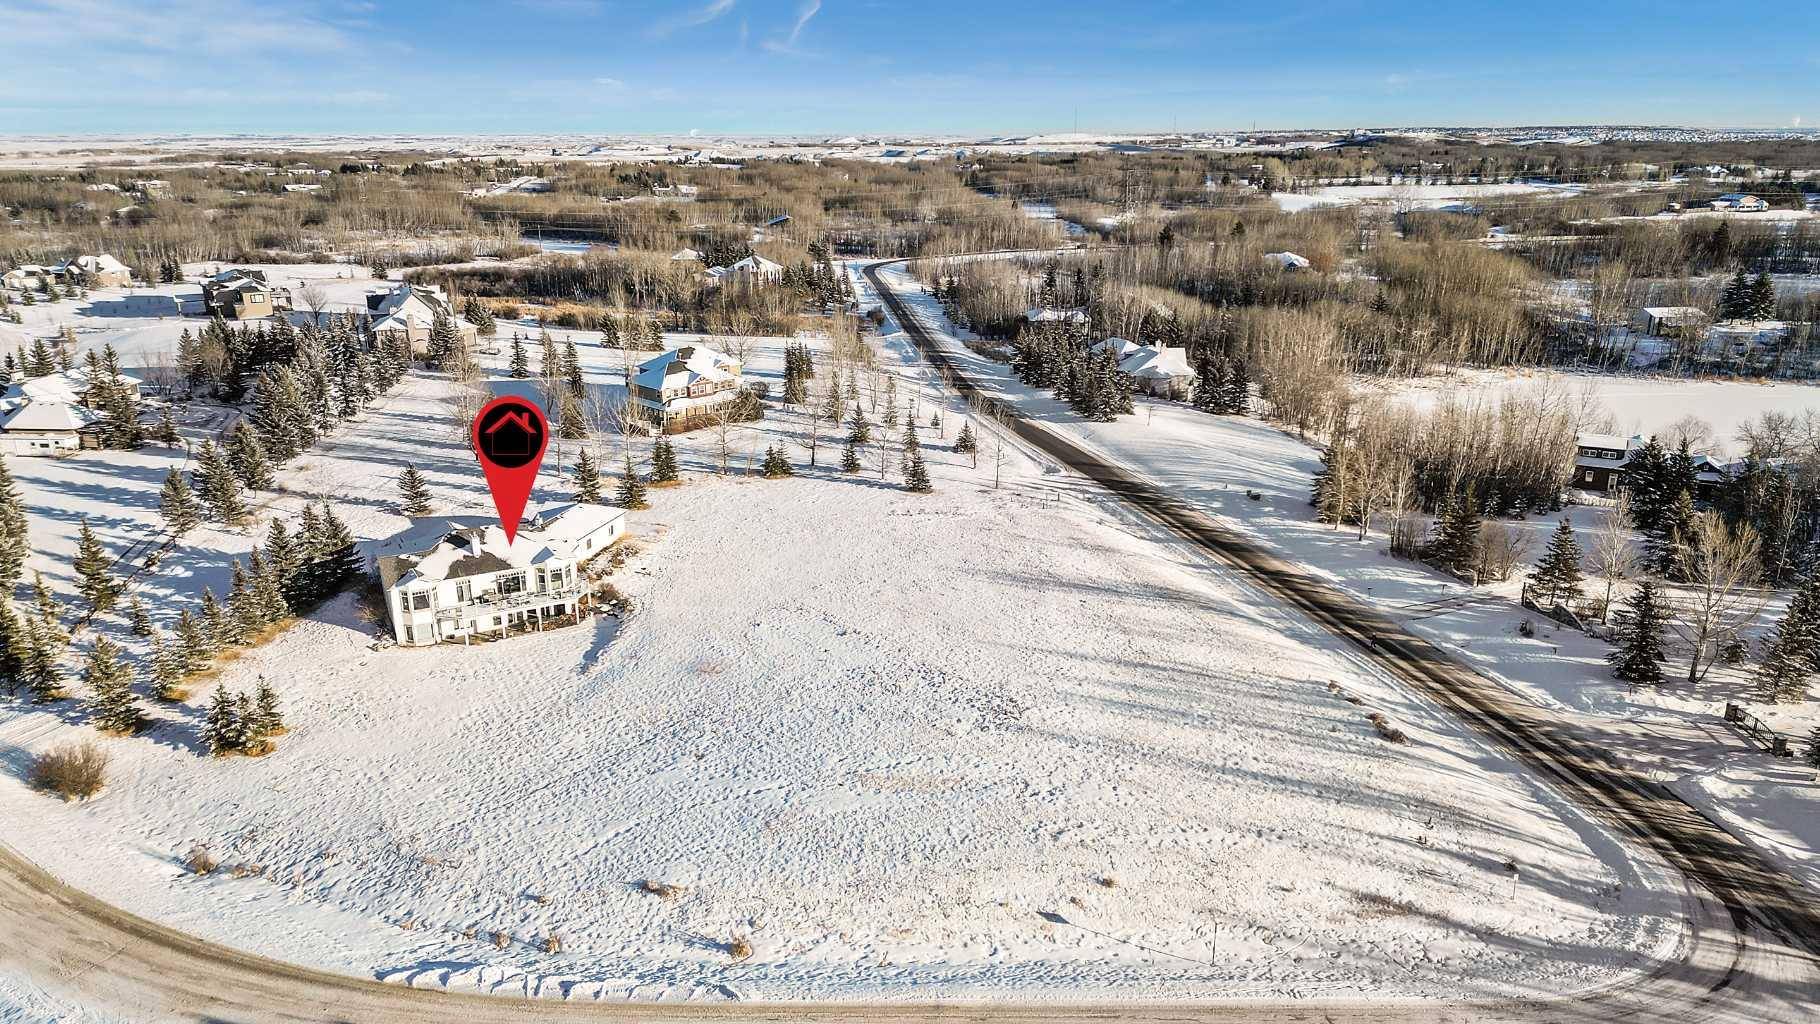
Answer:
(509, 437)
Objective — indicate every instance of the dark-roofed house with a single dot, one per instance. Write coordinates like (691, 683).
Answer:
(454, 578)
(242, 295)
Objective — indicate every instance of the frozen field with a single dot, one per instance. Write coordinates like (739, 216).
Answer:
(986, 743)
(1675, 729)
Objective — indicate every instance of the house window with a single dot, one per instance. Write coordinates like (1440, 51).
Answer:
(1587, 476)
(410, 635)
(420, 600)
(511, 584)
(464, 592)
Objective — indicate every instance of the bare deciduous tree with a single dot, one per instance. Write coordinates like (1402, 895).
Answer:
(1615, 555)
(1719, 599)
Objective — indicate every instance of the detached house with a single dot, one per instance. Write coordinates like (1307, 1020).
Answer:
(242, 295)
(1600, 459)
(409, 311)
(97, 271)
(684, 384)
(455, 578)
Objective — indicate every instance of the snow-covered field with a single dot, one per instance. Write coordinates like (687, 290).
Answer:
(1410, 196)
(995, 742)
(1636, 404)
(1676, 730)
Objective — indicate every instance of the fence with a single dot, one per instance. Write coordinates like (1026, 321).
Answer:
(1754, 728)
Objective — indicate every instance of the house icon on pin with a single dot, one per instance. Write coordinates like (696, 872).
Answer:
(511, 434)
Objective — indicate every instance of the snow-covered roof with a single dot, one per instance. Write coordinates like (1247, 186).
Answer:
(756, 264)
(1737, 197)
(51, 416)
(1612, 442)
(1121, 348)
(682, 367)
(71, 385)
(685, 255)
(1674, 312)
(100, 263)
(455, 547)
(1049, 314)
(1157, 363)
(1288, 260)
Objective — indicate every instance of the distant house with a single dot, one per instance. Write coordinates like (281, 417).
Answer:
(28, 277)
(685, 256)
(1739, 202)
(97, 271)
(1287, 260)
(1121, 348)
(751, 270)
(679, 387)
(1670, 321)
(242, 295)
(1051, 315)
(456, 579)
(69, 387)
(48, 428)
(1600, 460)
(1160, 370)
(408, 312)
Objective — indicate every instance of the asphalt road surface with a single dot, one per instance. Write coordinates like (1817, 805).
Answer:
(1751, 933)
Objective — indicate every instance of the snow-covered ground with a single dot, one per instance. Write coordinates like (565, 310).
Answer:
(1410, 196)
(1676, 729)
(1637, 404)
(991, 743)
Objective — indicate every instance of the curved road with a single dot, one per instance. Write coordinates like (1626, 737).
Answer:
(1752, 935)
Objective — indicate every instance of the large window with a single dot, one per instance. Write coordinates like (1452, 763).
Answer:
(513, 584)
(420, 600)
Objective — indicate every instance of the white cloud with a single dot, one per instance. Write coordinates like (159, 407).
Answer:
(609, 83)
(694, 18)
(803, 14)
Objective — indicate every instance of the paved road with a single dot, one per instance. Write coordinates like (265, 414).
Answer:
(1750, 955)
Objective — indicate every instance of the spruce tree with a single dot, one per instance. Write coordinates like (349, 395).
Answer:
(1238, 389)
(340, 557)
(1671, 535)
(41, 671)
(859, 432)
(248, 457)
(521, 358)
(193, 649)
(966, 444)
(138, 619)
(663, 462)
(268, 594)
(14, 648)
(219, 485)
(178, 503)
(167, 430)
(268, 717)
(576, 384)
(1637, 658)
(631, 492)
(13, 543)
(245, 615)
(218, 632)
(1456, 543)
(1813, 746)
(167, 669)
(246, 737)
(1782, 674)
(221, 729)
(916, 475)
(413, 493)
(1558, 575)
(112, 703)
(849, 458)
(93, 580)
(776, 464)
(587, 478)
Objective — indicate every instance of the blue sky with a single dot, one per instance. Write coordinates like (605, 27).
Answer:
(858, 66)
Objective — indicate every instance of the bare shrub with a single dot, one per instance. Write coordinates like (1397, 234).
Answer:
(1385, 729)
(73, 771)
(662, 890)
(501, 940)
(739, 947)
(552, 943)
(1108, 882)
(199, 861)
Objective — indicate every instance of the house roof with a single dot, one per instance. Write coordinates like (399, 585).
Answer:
(756, 264)
(1049, 314)
(1674, 312)
(683, 367)
(1121, 348)
(1288, 260)
(70, 385)
(438, 548)
(685, 255)
(51, 416)
(100, 263)
(1157, 363)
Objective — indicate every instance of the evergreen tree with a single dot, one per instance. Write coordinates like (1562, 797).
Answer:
(13, 541)
(916, 474)
(445, 345)
(776, 464)
(1238, 389)
(1558, 575)
(268, 717)
(138, 618)
(521, 358)
(248, 457)
(1671, 536)
(221, 730)
(112, 703)
(167, 430)
(285, 563)
(413, 493)
(215, 627)
(268, 595)
(1456, 543)
(663, 462)
(219, 486)
(1735, 298)
(245, 616)
(1209, 385)
(849, 458)
(14, 648)
(966, 444)
(181, 514)
(246, 740)
(1637, 658)
(913, 448)
(859, 433)
(587, 478)
(631, 489)
(40, 670)
(340, 557)
(93, 580)
(167, 669)
(192, 651)
(1762, 301)
(573, 379)
(1783, 672)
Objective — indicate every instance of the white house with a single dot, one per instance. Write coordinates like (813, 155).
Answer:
(1287, 260)
(1669, 321)
(1160, 370)
(99, 271)
(455, 577)
(1739, 202)
(752, 269)
(685, 383)
(27, 277)
(685, 256)
(1122, 349)
(1051, 315)
(71, 386)
(47, 428)
(409, 311)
